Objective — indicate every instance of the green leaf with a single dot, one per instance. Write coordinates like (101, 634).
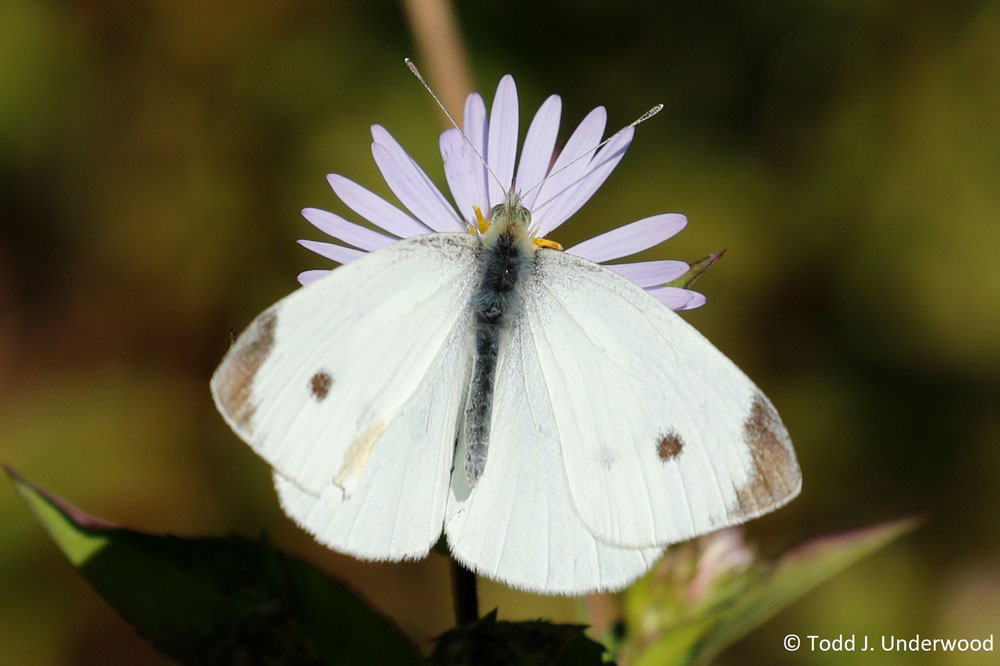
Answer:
(487, 642)
(696, 270)
(219, 601)
(661, 631)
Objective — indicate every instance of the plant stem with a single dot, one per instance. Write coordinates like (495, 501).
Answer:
(441, 52)
(463, 591)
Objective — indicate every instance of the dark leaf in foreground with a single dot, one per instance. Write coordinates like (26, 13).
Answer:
(220, 600)
(487, 642)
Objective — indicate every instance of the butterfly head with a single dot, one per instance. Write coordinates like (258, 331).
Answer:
(511, 216)
(511, 213)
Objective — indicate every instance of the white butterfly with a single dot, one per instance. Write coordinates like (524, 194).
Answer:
(555, 420)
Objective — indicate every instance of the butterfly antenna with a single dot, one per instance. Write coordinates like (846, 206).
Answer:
(641, 119)
(416, 73)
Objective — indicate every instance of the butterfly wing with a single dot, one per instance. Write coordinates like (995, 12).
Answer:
(518, 524)
(396, 510)
(663, 438)
(358, 376)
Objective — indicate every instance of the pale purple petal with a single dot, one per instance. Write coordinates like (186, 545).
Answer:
(578, 174)
(375, 209)
(697, 300)
(461, 173)
(650, 273)
(475, 127)
(412, 194)
(348, 232)
(631, 238)
(536, 155)
(338, 253)
(409, 182)
(583, 140)
(598, 170)
(674, 298)
(501, 151)
(308, 277)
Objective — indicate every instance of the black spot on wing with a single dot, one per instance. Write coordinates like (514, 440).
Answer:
(319, 385)
(669, 446)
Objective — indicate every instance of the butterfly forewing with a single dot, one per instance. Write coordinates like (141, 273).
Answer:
(663, 438)
(316, 381)
(396, 509)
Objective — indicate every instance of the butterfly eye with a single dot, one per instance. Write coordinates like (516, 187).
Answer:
(495, 211)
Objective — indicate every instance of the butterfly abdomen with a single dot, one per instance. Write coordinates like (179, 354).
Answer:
(505, 257)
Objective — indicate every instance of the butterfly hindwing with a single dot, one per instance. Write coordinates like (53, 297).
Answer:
(518, 524)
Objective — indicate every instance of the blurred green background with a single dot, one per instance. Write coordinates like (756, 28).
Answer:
(154, 155)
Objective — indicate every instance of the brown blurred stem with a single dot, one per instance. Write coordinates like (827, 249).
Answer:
(463, 590)
(443, 56)
(603, 611)
(441, 53)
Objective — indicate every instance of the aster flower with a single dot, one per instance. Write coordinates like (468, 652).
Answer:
(551, 201)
